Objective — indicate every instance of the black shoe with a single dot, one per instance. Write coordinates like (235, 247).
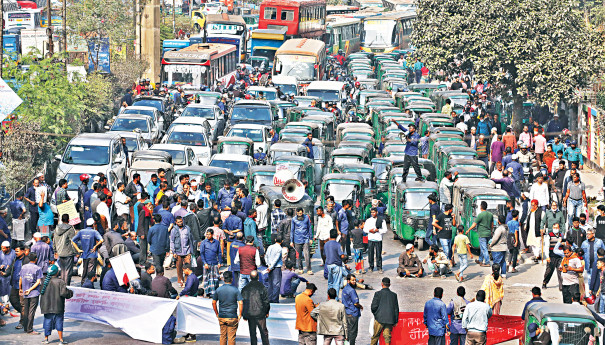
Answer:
(419, 179)
(19, 326)
(544, 286)
(190, 338)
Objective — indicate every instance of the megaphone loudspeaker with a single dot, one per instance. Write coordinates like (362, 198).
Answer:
(293, 190)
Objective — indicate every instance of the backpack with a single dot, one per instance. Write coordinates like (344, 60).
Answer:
(459, 306)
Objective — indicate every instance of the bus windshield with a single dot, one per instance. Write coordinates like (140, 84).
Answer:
(268, 53)
(378, 33)
(185, 74)
(299, 66)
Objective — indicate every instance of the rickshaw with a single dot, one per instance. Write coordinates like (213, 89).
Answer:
(326, 127)
(348, 155)
(427, 89)
(341, 127)
(258, 176)
(202, 174)
(282, 108)
(362, 132)
(384, 122)
(424, 163)
(446, 130)
(394, 83)
(359, 143)
(567, 323)
(401, 96)
(311, 127)
(235, 145)
(146, 168)
(395, 178)
(458, 100)
(275, 193)
(412, 213)
(362, 98)
(443, 140)
(452, 152)
(471, 200)
(382, 167)
(470, 172)
(425, 124)
(303, 169)
(466, 163)
(320, 152)
(286, 149)
(344, 186)
(306, 101)
(369, 177)
(296, 113)
(461, 184)
(152, 155)
(369, 83)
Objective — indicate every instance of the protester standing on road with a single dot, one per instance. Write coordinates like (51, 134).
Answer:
(305, 324)
(352, 307)
(180, 245)
(158, 239)
(52, 303)
(498, 245)
(90, 240)
(256, 308)
(484, 223)
(248, 259)
(301, 239)
(334, 256)
(463, 249)
(323, 225)
(456, 310)
(493, 285)
(435, 318)
(331, 319)
(226, 302)
(475, 320)
(571, 266)
(29, 282)
(375, 227)
(64, 249)
(273, 258)
(43, 250)
(385, 307)
(210, 257)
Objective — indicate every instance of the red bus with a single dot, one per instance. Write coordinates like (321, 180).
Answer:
(303, 18)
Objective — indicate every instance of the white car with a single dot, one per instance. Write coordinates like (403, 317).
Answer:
(328, 91)
(73, 183)
(213, 8)
(137, 123)
(287, 84)
(193, 138)
(134, 141)
(209, 112)
(182, 155)
(94, 152)
(237, 164)
(259, 134)
(152, 112)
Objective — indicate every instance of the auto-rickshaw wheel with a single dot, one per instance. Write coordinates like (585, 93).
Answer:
(420, 242)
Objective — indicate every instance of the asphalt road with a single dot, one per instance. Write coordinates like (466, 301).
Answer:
(413, 293)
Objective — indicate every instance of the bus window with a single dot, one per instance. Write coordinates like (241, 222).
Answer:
(270, 13)
(287, 15)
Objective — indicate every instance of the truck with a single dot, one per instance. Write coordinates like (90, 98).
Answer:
(174, 45)
(264, 43)
(12, 46)
(36, 39)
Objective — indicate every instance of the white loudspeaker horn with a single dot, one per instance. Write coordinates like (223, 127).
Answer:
(293, 190)
(281, 177)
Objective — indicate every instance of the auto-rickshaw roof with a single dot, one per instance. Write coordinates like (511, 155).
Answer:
(299, 123)
(428, 115)
(348, 144)
(288, 147)
(298, 140)
(203, 169)
(380, 160)
(440, 145)
(305, 131)
(394, 142)
(396, 79)
(402, 186)
(280, 103)
(301, 109)
(339, 176)
(261, 168)
(273, 193)
(542, 310)
(462, 161)
(435, 136)
(437, 130)
(399, 171)
(318, 117)
(421, 106)
(438, 119)
(147, 165)
(492, 192)
(350, 151)
(458, 149)
(471, 182)
(400, 114)
(356, 167)
(388, 107)
(235, 139)
(294, 159)
(469, 170)
(423, 86)
(151, 155)
(358, 130)
(378, 103)
(345, 125)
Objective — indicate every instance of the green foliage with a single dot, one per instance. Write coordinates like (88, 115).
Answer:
(539, 50)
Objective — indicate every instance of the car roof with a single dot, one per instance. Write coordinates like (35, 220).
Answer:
(189, 120)
(338, 176)
(325, 85)
(101, 139)
(201, 105)
(185, 128)
(231, 157)
(140, 107)
(248, 126)
(167, 147)
(245, 102)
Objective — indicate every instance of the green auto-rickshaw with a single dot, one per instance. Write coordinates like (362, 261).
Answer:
(235, 145)
(466, 163)
(412, 210)
(452, 152)
(395, 178)
(343, 187)
(438, 141)
(565, 324)
(471, 199)
(382, 167)
(258, 176)
(369, 177)
(303, 169)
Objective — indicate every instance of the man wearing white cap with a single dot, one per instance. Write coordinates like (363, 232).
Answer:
(409, 263)
(43, 250)
(7, 257)
(89, 240)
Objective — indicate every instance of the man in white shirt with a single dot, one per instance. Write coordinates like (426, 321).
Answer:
(322, 231)
(102, 208)
(121, 202)
(262, 210)
(539, 191)
(375, 227)
(195, 191)
(497, 173)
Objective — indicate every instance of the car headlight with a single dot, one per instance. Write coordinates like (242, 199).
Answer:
(409, 221)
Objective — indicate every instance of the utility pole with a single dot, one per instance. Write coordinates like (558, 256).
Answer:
(1, 40)
(65, 33)
(49, 28)
(173, 17)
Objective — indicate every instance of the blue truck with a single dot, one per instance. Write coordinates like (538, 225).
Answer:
(263, 45)
(12, 46)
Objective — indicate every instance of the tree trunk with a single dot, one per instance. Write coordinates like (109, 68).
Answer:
(517, 119)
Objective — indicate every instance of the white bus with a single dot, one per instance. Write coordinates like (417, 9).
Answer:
(22, 19)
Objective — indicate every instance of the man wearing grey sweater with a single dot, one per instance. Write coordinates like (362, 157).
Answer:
(498, 244)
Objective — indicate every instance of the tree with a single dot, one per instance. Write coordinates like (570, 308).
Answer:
(100, 20)
(540, 50)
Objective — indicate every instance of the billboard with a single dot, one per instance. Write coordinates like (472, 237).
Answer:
(99, 49)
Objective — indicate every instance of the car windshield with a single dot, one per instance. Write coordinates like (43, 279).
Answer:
(325, 95)
(251, 113)
(238, 168)
(367, 178)
(416, 200)
(287, 88)
(132, 144)
(381, 170)
(268, 95)
(138, 112)
(492, 205)
(255, 135)
(178, 156)
(237, 149)
(86, 155)
(262, 180)
(187, 138)
(73, 181)
(345, 160)
(148, 103)
(378, 33)
(129, 125)
(205, 113)
(341, 192)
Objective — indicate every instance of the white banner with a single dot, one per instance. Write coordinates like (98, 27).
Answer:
(141, 317)
(196, 316)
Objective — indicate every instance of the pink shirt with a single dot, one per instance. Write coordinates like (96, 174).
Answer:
(526, 138)
(540, 142)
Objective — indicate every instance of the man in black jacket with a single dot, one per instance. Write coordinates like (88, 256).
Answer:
(256, 308)
(385, 308)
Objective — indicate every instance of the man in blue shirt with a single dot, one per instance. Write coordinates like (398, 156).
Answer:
(90, 240)
(435, 318)
(273, 257)
(232, 249)
(242, 194)
(225, 195)
(418, 70)
(381, 145)
(158, 240)
(232, 225)
(309, 144)
(226, 302)
(274, 136)
(343, 226)
(208, 195)
(301, 239)
(352, 307)
(411, 151)
(167, 216)
(210, 256)
(334, 256)
(17, 206)
(536, 296)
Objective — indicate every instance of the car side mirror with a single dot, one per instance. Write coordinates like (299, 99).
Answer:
(58, 157)
(106, 127)
(119, 160)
